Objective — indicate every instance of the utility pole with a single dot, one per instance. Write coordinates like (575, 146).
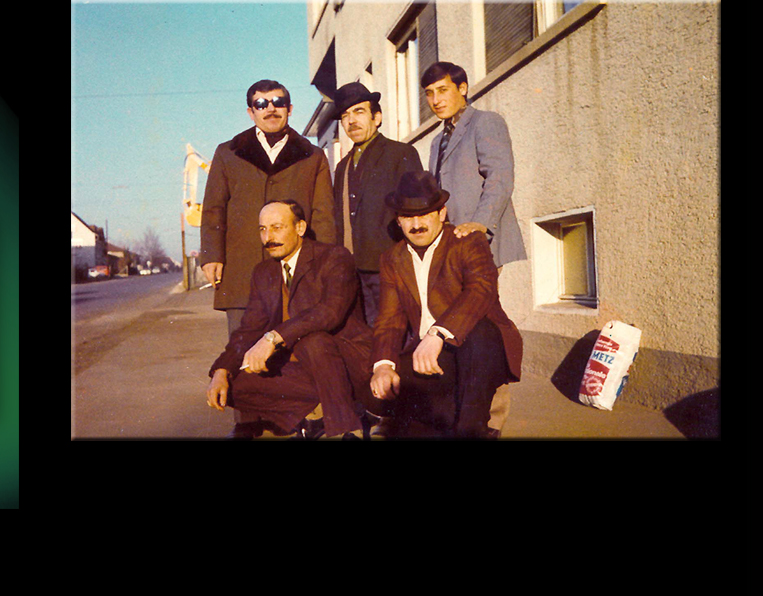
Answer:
(186, 280)
(192, 209)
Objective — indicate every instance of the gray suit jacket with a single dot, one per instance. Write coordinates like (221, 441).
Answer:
(478, 171)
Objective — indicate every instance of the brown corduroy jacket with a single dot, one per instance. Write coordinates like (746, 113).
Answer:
(462, 288)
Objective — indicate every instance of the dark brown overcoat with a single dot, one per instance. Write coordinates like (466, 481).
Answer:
(241, 180)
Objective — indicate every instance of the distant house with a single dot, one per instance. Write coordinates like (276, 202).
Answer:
(88, 247)
(122, 262)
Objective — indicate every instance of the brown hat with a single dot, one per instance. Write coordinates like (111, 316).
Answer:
(416, 194)
(350, 94)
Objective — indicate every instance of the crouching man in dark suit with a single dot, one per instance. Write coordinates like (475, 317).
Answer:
(445, 288)
(302, 339)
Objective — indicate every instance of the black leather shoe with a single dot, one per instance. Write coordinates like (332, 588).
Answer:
(493, 434)
(245, 431)
(353, 437)
(309, 430)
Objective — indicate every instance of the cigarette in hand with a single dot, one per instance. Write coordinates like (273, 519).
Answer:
(244, 366)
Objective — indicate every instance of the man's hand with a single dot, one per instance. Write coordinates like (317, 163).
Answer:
(425, 356)
(467, 228)
(257, 356)
(385, 382)
(213, 272)
(217, 390)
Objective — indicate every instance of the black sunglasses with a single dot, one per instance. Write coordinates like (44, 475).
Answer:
(262, 103)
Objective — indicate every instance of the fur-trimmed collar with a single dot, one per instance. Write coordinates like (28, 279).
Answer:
(246, 146)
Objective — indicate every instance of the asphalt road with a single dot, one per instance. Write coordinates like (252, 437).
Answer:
(102, 297)
(101, 309)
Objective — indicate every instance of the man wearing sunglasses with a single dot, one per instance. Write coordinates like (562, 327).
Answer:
(267, 162)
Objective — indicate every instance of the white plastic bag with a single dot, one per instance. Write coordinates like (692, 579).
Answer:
(607, 370)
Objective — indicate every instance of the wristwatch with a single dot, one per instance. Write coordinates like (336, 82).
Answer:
(271, 337)
(437, 332)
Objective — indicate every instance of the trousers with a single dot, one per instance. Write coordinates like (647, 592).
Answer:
(293, 389)
(369, 285)
(456, 403)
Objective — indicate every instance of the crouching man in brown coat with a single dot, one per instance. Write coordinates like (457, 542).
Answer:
(302, 340)
(445, 289)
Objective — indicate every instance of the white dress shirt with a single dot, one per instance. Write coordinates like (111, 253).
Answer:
(275, 149)
(421, 268)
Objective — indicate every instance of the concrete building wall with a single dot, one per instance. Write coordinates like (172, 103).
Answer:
(619, 116)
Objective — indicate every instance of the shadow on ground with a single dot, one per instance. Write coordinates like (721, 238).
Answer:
(569, 373)
(697, 416)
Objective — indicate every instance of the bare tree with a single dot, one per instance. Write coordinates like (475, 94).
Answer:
(150, 247)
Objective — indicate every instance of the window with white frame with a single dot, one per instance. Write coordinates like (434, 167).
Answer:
(511, 25)
(415, 50)
(564, 259)
(547, 12)
(508, 26)
(407, 69)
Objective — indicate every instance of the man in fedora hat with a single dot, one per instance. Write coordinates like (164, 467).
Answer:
(472, 158)
(445, 288)
(367, 174)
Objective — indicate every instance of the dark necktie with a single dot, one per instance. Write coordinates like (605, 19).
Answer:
(288, 275)
(447, 131)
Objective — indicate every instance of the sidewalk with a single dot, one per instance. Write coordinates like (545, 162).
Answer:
(151, 380)
(151, 383)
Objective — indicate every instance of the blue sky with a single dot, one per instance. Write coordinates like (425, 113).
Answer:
(147, 78)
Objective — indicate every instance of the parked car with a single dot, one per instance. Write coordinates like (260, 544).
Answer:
(98, 272)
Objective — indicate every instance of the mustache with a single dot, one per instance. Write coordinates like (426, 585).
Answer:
(420, 230)
(274, 115)
(272, 245)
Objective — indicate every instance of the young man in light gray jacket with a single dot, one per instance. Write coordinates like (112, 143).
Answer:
(472, 159)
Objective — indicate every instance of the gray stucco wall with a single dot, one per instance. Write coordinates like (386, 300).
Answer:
(622, 115)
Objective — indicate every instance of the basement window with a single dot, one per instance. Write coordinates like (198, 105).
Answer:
(564, 259)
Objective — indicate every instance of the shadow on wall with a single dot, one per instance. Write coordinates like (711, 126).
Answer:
(697, 416)
(569, 373)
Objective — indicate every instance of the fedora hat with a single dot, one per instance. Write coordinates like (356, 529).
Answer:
(350, 94)
(416, 194)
